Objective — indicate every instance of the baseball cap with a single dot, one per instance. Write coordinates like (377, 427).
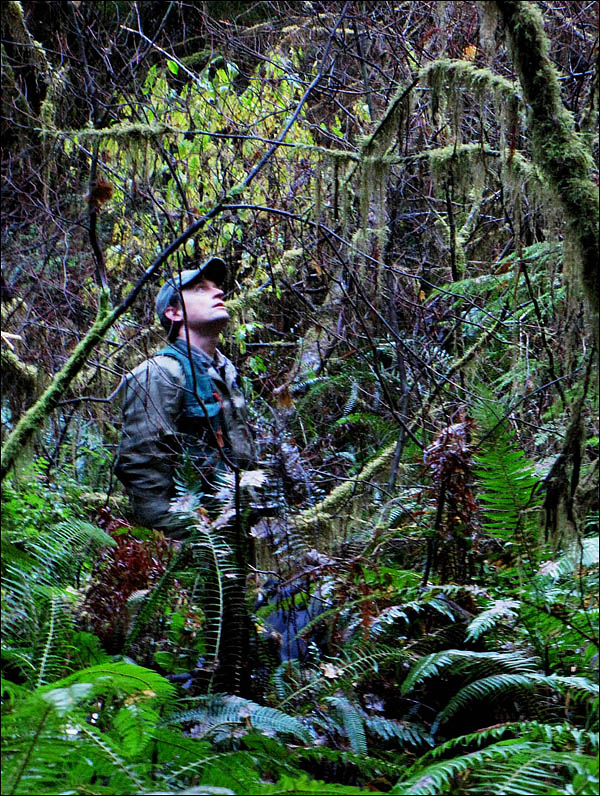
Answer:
(214, 269)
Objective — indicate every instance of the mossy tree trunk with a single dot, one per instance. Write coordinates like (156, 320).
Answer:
(558, 149)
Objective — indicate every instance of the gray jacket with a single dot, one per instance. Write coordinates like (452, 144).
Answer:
(159, 440)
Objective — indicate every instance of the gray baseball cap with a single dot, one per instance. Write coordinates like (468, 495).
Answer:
(214, 269)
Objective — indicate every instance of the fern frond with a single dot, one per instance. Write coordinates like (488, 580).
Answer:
(508, 496)
(177, 754)
(352, 721)
(271, 720)
(20, 756)
(366, 765)
(287, 677)
(584, 553)
(406, 732)
(302, 785)
(120, 678)
(529, 773)
(508, 757)
(465, 660)
(558, 736)
(403, 612)
(387, 618)
(217, 555)
(59, 550)
(113, 757)
(211, 552)
(52, 745)
(134, 725)
(295, 541)
(224, 710)
(499, 611)
(36, 605)
(352, 398)
(69, 543)
(37, 624)
(493, 687)
(152, 603)
(49, 662)
(354, 666)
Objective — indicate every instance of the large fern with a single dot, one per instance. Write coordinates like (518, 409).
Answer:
(207, 551)
(345, 669)
(508, 491)
(352, 720)
(503, 673)
(38, 595)
(94, 723)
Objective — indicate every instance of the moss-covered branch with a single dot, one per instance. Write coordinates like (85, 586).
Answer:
(138, 131)
(558, 149)
(339, 496)
(37, 414)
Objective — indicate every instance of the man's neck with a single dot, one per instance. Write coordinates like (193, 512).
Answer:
(206, 342)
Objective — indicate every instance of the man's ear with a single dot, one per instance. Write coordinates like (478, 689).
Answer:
(174, 314)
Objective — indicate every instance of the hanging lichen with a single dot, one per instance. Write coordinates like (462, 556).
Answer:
(467, 161)
(374, 164)
(345, 203)
(374, 170)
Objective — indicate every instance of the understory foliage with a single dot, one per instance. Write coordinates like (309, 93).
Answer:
(412, 324)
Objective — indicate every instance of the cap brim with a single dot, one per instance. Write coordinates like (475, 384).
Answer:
(214, 269)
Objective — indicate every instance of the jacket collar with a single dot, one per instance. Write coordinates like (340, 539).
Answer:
(216, 362)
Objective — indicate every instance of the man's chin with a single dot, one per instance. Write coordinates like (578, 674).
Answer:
(219, 323)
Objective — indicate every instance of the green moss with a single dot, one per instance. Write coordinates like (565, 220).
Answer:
(28, 374)
(386, 131)
(197, 60)
(318, 192)
(464, 159)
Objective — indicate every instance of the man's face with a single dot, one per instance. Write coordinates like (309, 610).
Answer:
(204, 307)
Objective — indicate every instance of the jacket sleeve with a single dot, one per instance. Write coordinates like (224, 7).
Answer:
(149, 450)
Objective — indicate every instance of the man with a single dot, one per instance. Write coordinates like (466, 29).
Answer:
(183, 409)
